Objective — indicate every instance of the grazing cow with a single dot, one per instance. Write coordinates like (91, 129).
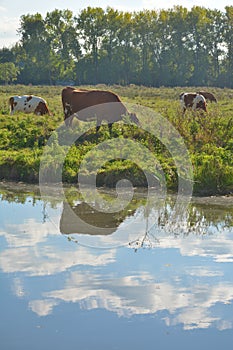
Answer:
(208, 96)
(193, 100)
(28, 104)
(97, 105)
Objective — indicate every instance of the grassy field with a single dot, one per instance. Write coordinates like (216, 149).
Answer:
(208, 138)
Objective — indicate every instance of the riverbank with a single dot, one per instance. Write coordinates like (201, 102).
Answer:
(207, 138)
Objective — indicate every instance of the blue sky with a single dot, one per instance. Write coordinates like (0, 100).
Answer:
(10, 12)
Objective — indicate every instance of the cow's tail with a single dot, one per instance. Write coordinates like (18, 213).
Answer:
(11, 101)
(11, 104)
(48, 111)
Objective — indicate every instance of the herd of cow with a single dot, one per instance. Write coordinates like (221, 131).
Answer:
(97, 105)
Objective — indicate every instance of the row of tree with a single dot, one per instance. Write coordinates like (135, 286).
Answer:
(167, 47)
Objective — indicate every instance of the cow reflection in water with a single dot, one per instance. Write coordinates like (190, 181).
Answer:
(203, 217)
(84, 219)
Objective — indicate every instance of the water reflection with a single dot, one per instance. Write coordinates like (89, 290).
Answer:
(87, 220)
(185, 278)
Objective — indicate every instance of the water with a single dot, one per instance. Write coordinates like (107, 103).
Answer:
(144, 281)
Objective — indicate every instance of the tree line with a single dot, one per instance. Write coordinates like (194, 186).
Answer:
(174, 47)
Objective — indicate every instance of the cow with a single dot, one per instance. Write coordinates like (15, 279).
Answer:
(208, 96)
(192, 100)
(97, 105)
(28, 104)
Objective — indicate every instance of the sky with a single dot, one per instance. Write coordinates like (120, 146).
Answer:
(10, 13)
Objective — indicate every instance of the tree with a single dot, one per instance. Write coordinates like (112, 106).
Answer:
(161, 49)
(179, 31)
(197, 22)
(6, 55)
(64, 45)
(110, 45)
(126, 52)
(214, 43)
(144, 23)
(91, 26)
(166, 47)
(34, 49)
(229, 45)
(8, 72)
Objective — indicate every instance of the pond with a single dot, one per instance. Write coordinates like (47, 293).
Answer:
(75, 277)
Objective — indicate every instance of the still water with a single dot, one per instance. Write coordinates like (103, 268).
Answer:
(75, 278)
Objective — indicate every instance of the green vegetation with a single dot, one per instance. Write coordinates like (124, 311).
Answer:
(174, 47)
(208, 138)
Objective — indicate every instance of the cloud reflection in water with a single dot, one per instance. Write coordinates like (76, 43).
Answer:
(184, 276)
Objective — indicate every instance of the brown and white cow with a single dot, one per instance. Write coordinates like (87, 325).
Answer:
(192, 100)
(28, 104)
(208, 96)
(97, 105)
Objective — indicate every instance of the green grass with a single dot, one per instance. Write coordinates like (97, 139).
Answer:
(208, 138)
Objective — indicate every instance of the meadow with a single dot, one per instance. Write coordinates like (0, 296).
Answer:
(207, 137)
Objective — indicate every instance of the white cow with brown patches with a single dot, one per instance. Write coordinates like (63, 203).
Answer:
(192, 100)
(28, 104)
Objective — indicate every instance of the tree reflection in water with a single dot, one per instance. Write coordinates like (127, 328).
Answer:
(204, 216)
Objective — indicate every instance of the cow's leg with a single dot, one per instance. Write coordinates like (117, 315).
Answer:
(12, 110)
(110, 127)
(98, 124)
(70, 120)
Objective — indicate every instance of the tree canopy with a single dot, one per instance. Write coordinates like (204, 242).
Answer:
(154, 48)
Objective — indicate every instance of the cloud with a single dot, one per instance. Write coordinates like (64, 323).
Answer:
(188, 295)
(188, 303)
(18, 288)
(8, 31)
(49, 260)
(150, 4)
(203, 272)
(29, 233)
(198, 313)
(140, 294)
(223, 325)
(219, 247)
(3, 9)
(42, 307)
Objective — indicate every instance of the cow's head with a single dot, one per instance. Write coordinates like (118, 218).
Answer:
(42, 109)
(202, 105)
(134, 118)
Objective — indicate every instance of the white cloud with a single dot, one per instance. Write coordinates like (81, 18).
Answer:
(222, 325)
(18, 288)
(31, 252)
(194, 317)
(219, 247)
(3, 9)
(151, 4)
(191, 306)
(198, 313)
(203, 272)
(49, 260)
(125, 296)
(29, 233)
(42, 307)
(8, 31)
